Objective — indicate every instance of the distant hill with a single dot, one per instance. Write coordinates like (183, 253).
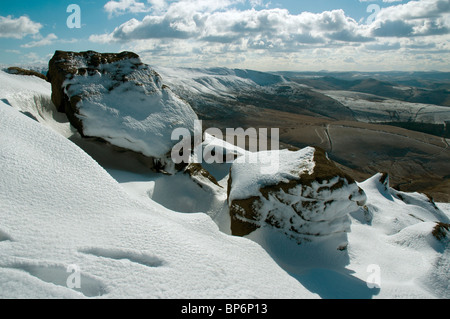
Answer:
(416, 87)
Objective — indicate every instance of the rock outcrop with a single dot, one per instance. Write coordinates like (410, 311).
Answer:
(119, 99)
(200, 176)
(441, 231)
(308, 198)
(21, 71)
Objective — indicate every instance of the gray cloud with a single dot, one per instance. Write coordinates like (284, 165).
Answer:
(209, 29)
(383, 46)
(415, 18)
(396, 28)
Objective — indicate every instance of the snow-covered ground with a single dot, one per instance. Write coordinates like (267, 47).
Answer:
(136, 235)
(216, 81)
(59, 208)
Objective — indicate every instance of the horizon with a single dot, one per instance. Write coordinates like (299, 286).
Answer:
(44, 65)
(286, 35)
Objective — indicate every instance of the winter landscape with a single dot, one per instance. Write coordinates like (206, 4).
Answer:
(124, 177)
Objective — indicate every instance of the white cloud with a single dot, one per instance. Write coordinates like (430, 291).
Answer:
(42, 42)
(415, 18)
(12, 51)
(422, 9)
(157, 5)
(216, 32)
(33, 58)
(124, 6)
(18, 28)
(213, 24)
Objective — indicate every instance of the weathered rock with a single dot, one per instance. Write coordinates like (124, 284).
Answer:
(200, 175)
(21, 71)
(119, 99)
(441, 231)
(65, 65)
(309, 199)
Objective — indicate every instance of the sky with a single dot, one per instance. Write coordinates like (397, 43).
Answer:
(275, 35)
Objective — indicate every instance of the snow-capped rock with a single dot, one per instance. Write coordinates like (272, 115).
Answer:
(307, 198)
(201, 176)
(119, 99)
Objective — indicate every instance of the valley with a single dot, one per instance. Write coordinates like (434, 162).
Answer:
(363, 132)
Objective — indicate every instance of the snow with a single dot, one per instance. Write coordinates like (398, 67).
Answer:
(402, 88)
(444, 207)
(200, 81)
(32, 96)
(60, 208)
(369, 108)
(305, 212)
(410, 261)
(197, 84)
(219, 82)
(408, 211)
(401, 243)
(217, 79)
(248, 175)
(130, 235)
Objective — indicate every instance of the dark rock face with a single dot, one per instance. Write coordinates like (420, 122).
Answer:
(310, 206)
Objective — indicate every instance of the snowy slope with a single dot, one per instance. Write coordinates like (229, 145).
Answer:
(59, 208)
(217, 81)
(391, 253)
(392, 234)
(157, 236)
(226, 85)
(398, 237)
(32, 96)
(372, 109)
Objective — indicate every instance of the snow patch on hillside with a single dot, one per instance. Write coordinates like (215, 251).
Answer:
(373, 109)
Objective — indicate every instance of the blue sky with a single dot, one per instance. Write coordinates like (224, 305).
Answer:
(256, 34)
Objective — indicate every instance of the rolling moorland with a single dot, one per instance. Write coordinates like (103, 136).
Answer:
(394, 122)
